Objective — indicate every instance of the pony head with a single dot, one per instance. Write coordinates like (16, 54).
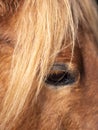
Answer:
(48, 65)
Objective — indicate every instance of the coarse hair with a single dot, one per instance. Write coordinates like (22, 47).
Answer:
(41, 29)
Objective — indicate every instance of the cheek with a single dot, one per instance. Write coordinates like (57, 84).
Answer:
(83, 113)
(68, 108)
(55, 108)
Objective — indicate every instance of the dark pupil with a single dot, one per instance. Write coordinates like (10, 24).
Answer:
(63, 78)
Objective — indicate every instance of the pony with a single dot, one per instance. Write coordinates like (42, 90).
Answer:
(48, 65)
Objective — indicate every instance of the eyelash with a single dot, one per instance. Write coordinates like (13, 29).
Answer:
(61, 79)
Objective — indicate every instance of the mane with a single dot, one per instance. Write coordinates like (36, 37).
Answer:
(41, 30)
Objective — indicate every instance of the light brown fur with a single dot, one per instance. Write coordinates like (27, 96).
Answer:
(34, 35)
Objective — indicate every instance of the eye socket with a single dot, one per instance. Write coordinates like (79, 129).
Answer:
(61, 77)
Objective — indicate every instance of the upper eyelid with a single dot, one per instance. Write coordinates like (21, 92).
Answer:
(59, 67)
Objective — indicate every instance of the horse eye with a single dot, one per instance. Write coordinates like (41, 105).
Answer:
(61, 77)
